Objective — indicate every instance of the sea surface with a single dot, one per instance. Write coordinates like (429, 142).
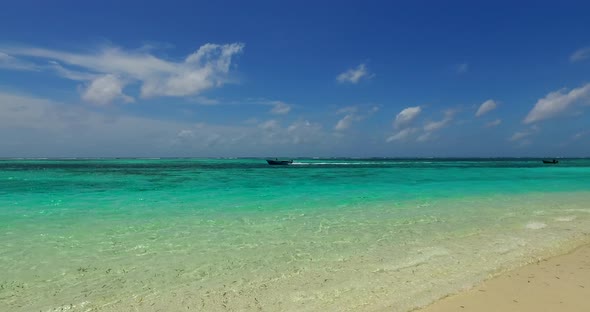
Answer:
(240, 235)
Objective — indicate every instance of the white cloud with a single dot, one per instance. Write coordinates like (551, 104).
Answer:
(462, 68)
(436, 125)
(35, 127)
(580, 55)
(280, 108)
(519, 135)
(32, 126)
(10, 62)
(353, 115)
(105, 89)
(206, 68)
(203, 100)
(402, 135)
(406, 116)
(71, 74)
(425, 137)
(486, 107)
(186, 133)
(524, 134)
(269, 125)
(493, 123)
(354, 75)
(347, 110)
(556, 103)
(345, 122)
(303, 131)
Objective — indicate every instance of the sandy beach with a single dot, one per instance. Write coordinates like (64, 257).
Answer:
(561, 283)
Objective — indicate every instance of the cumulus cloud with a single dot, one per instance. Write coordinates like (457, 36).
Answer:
(354, 75)
(486, 107)
(493, 123)
(402, 135)
(206, 68)
(280, 108)
(580, 55)
(433, 126)
(436, 125)
(269, 125)
(105, 89)
(403, 122)
(353, 114)
(345, 122)
(406, 116)
(295, 134)
(303, 131)
(524, 134)
(557, 102)
(48, 128)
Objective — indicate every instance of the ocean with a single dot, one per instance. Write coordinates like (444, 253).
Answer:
(240, 235)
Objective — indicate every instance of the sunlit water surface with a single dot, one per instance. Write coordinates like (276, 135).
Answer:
(237, 234)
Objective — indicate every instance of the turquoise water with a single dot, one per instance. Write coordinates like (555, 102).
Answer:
(237, 234)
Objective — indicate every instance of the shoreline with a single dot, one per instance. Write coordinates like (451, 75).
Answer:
(414, 279)
(556, 283)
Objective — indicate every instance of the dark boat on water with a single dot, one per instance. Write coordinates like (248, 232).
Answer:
(554, 161)
(276, 162)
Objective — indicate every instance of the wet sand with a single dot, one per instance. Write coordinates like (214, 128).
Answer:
(560, 283)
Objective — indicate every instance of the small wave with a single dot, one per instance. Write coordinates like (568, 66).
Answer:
(509, 245)
(565, 219)
(578, 210)
(421, 258)
(69, 307)
(535, 225)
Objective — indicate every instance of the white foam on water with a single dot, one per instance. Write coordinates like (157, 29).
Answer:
(139, 247)
(69, 307)
(578, 210)
(535, 225)
(509, 245)
(419, 258)
(565, 218)
(338, 163)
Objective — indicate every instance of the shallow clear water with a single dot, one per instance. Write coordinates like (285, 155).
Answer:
(237, 234)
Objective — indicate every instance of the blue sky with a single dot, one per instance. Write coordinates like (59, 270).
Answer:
(305, 78)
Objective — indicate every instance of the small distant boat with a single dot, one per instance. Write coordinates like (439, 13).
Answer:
(553, 161)
(275, 162)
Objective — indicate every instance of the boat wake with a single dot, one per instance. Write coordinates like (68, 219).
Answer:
(339, 163)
